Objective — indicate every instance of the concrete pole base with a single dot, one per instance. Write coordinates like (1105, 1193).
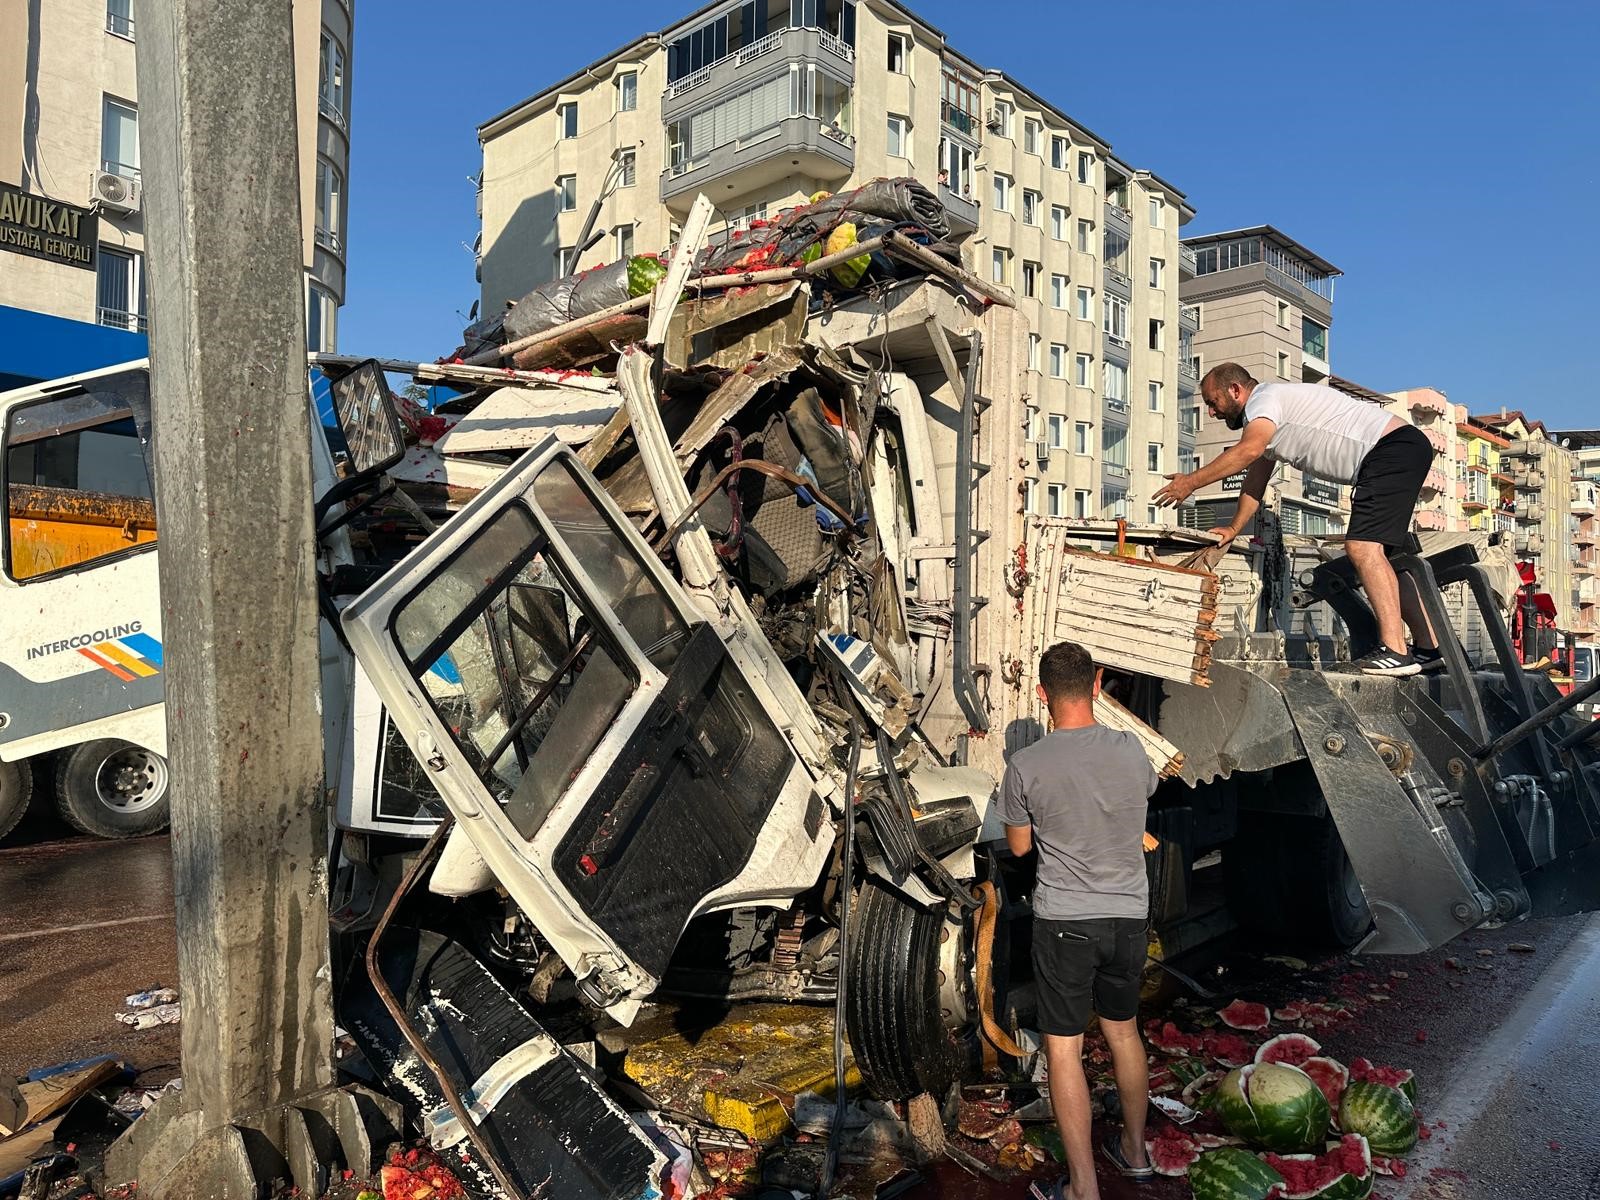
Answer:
(170, 1156)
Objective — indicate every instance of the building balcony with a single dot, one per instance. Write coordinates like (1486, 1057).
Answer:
(1529, 481)
(1471, 504)
(1114, 475)
(1427, 404)
(117, 318)
(1429, 520)
(1435, 482)
(1583, 499)
(1185, 263)
(795, 145)
(118, 24)
(1530, 514)
(1522, 448)
(1188, 370)
(1118, 220)
(1189, 317)
(1116, 411)
(1500, 475)
(1118, 284)
(1530, 547)
(964, 123)
(750, 64)
(1586, 534)
(1114, 347)
(1478, 462)
(331, 111)
(960, 212)
(1435, 439)
(330, 241)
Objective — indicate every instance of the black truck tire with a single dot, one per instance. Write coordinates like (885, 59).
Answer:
(16, 786)
(113, 789)
(892, 1016)
(1289, 881)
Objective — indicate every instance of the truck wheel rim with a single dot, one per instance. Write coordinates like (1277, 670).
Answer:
(131, 780)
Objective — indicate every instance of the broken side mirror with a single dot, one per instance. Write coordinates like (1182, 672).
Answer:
(367, 437)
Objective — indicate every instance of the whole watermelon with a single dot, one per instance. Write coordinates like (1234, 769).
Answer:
(1232, 1174)
(1273, 1105)
(1381, 1114)
(644, 272)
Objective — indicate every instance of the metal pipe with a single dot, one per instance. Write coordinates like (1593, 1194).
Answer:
(772, 471)
(1538, 721)
(1586, 734)
(452, 1097)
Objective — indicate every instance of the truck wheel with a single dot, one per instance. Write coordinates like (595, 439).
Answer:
(892, 1015)
(112, 789)
(1289, 879)
(16, 785)
(1332, 907)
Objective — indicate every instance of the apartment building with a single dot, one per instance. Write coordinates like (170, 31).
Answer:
(1429, 409)
(1585, 547)
(72, 274)
(759, 104)
(1261, 299)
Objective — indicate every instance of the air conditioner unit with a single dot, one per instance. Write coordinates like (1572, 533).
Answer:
(994, 122)
(1041, 451)
(114, 193)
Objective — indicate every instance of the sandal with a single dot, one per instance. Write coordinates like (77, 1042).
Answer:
(1112, 1149)
(1055, 1191)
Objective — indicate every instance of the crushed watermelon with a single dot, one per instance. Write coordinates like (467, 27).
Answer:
(1172, 1151)
(1246, 1015)
(1229, 1049)
(418, 1175)
(1330, 1075)
(1169, 1039)
(1291, 1048)
(1366, 1071)
(1309, 1175)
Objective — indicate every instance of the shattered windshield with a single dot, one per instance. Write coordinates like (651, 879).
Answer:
(516, 671)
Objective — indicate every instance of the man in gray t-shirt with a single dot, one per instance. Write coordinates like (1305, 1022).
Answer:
(1078, 796)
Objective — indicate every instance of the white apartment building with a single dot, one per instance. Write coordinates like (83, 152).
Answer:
(759, 104)
(72, 276)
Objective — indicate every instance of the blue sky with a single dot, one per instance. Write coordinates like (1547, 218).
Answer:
(1446, 156)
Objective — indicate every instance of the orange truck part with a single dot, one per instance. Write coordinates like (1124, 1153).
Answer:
(55, 528)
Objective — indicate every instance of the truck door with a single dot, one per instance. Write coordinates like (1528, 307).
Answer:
(595, 741)
(80, 630)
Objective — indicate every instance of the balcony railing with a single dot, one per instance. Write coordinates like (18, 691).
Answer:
(1189, 422)
(1115, 470)
(1116, 406)
(329, 240)
(1189, 316)
(1434, 481)
(1186, 259)
(1428, 519)
(117, 168)
(1114, 209)
(118, 318)
(332, 111)
(755, 49)
(1121, 343)
(1117, 278)
(961, 122)
(836, 47)
(1187, 369)
(120, 25)
(689, 82)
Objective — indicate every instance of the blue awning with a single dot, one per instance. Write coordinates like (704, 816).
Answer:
(36, 346)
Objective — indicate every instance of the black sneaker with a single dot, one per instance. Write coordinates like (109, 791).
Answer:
(1428, 660)
(1382, 661)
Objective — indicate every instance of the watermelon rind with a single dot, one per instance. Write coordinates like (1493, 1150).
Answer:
(1275, 1106)
(1406, 1080)
(1331, 1075)
(1172, 1154)
(1291, 1048)
(1232, 1174)
(1381, 1114)
(1246, 1015)
(1348, 1186)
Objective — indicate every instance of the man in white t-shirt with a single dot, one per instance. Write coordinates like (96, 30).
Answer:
(1340, 438)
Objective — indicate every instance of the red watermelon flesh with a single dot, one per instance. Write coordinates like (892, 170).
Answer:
(1243, 1014)
(1395, 1167)
(1172, 1152)
(1169, 1039)
(1368, 1072)
(1310, 1175)
(1291, 1048)
(1331, 1077)
(1229, 1049)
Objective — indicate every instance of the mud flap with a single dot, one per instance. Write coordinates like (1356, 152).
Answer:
(1420, 889)
(550, 1125)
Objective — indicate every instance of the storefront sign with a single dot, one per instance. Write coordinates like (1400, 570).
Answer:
(43, 228)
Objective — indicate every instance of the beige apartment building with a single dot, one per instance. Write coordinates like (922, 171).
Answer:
(1585, 548)
(1261, 299)
(71, 196)
(759, 104)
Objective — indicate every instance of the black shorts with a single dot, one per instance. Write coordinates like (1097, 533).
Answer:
(1387, 487)
(1079, 962)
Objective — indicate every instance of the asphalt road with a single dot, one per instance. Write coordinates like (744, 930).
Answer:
(1505, 1042)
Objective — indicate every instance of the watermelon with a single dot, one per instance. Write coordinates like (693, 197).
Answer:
(1172, 1151)
(1273, 1105)
(1381, 1114)
(1395, 1077)
(1229, 1049)
(1331, 1076)
(644, 272)
(1243, 1014)
(1343, 1173)
(1291, 1048)
(1233, 1174)
(1201, 1092)
(1169, 1039)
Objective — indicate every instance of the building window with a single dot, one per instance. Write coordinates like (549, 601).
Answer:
(628, 176)
(1031, 132)
(119, 138)
(1002, 193)
(1158, 335)
(1000, 265)
(1152, 515)
(1313, 339)
(1080, 438)
(1158, 272)
(899, 54)
(567, 117)
(1116, 319)
(119, 18)
(1081, 368)
(1029, 499)
(1058, 361)
(1085, 236)
(1058, 222)
(1055, 497)
(1155, 212)
(1032, 202)
(1085, 167)
(622, 242)
(1030, 278)
(1060, 154)
(1152, 457)
(321, 317)
(1058, 291)
(566, 261)
(330, 75)
(627, 85)
(1283, 314)
(1034, 341)
(955, 160)
(1000, 122)
(1114, 447)
(1116, 378)
(1189, 420)
(566, 193)
(119, 289)
(1155, 396)
(330, 194)
(899, 137)
(1058, 432)
(1085, 304)
(1283, 365)
(1080, 505)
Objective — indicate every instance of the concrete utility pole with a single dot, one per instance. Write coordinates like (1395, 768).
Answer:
(238, 595)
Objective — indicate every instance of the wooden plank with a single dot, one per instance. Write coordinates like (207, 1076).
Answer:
(40, 1098)
(1165, 758)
